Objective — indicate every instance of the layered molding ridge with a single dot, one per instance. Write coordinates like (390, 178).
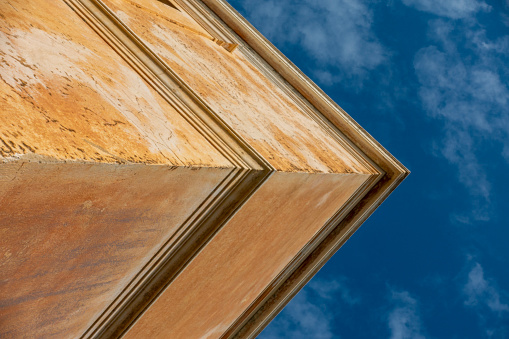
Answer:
(218, 16)
(168, 84)
(249, 170)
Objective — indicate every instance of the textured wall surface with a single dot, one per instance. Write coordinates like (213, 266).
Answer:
(66, 94)
(73, 235)
(237, 91)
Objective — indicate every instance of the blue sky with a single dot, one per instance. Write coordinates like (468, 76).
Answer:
(429, 79)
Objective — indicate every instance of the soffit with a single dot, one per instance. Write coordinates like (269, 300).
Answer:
(240, 156)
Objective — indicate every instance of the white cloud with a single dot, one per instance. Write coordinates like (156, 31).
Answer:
(336, 34)
(464, 84)
(331, 290)
(310, 313)
(481, 292)
(404, 320)
(454, 9)
(488, 301)
(301, 319)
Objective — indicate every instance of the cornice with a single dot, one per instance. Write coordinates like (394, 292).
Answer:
(230, 25)
(249, 170)
(246, 35)
(269, 305)
(295, 264)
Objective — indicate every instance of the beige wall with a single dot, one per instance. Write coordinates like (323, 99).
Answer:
(246, 255)
(72, 236)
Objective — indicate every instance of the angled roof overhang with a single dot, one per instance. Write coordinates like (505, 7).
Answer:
(392, 172)
(231, 225)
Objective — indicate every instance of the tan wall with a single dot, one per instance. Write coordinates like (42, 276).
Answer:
(73, 235)
(244, 257)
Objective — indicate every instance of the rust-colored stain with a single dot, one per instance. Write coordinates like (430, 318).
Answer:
(238, 92)
(73, 235)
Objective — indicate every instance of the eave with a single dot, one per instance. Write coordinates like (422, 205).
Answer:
(275, 298)
(369, 174)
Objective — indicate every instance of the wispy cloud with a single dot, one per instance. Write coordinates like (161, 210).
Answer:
(488, 301)
(311, 313)
(301, 319)
(464, 83)
(481, 292)
(404, 320)
(454, 9)
(332, 289)
(336, 34)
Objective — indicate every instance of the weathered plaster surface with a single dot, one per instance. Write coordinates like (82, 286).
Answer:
(238, 92)
(65, 93)
(73, 235)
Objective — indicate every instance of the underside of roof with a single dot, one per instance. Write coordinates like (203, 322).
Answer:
(165, 171)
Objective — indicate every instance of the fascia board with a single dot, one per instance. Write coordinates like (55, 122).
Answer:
(252, 322)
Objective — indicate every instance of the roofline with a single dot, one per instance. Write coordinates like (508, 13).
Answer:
(257, 317)
(227, 24)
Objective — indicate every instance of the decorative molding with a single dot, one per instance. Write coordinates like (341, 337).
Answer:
(168, 84)
(250, 169)
(247, 35)
(249, 172)
(287, 289)
(176, 253)
(231, 25)
(298, 260)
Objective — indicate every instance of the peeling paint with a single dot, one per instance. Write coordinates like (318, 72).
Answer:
(62, 86)
(241, 95)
